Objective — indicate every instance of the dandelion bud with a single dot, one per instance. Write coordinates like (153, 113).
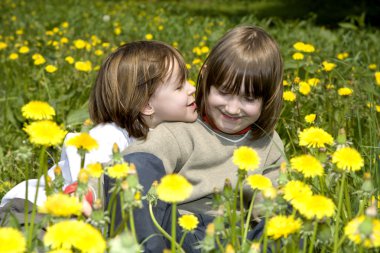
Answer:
(98, 204)
(365, 228)
(227, 190)
(367, 184)
(270, 193)
(255, 248)
(210, 230)
(83, 176)
(132, 169)
(57, 171)
(341, 139)
(124, 185)
(88, 122)
(48, 180)
(137, 196)
(229, 249)
(371, 211)
(115, 148)
(283, 167)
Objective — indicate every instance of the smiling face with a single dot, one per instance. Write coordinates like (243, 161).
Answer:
(232, 113)
(173, 101)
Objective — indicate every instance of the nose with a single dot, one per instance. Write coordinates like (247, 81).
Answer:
(233, 106)
(190, 89)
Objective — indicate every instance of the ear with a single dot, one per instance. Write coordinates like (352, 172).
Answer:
(147, 110)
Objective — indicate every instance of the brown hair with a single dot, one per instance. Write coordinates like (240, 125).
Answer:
(127, 79)
(246, 55)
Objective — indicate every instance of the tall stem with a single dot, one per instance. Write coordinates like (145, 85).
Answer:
(249, 214)
(34, 208)
(340, 201)
(311, 246)
(265, 244)
(174, 225)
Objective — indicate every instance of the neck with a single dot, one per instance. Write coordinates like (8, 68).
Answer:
(150, 121)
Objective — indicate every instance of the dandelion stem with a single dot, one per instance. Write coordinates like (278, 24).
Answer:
(163, 232)
(241, 207)
(265, 243)
(34, 208)
(174, 222)
(249, 214)
(132, 223)
(340, 201)
(311, 246)
(183, 238)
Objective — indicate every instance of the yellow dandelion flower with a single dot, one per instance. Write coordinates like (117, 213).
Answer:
(149, 36)
(196, 61)
(13, 56)
(304, 47)
(106, 44)
(328, 66)
(37, 110)
(310, 118)
(188, 222)
(77, 234)
(297, 79)
(95, 170)
(315, 137)
(259, 182)
(313, 81)
(282, 226)
(38, 59)
(304, 88)
(79, 44)
(175, 44)
(85, 66)
(51, 68)
(12, 240)
(174, 188)
(117, 31)
(308, 165)
(24, 50)
(342, 56)
(377, 77)
(64, 40)
(348, 159)
(45, 132)
(62, 205)
(378, 108)
(345, 91)
(69, 59)
(285, 83)
(353, 232)
(330, 86)
(294, 191)
(99, 52)
(372, 66)
(118, 170)
(316, 207)
(298, 56)
(289, 96)
(205, 50)
(83, 141)
(246, 158)
(3, 45)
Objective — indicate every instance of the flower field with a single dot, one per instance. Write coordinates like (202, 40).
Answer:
(326, 198)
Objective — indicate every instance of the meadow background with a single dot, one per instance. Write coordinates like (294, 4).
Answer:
(51, 51)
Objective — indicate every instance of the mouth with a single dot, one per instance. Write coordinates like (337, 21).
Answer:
(230, 117)
(192, 104)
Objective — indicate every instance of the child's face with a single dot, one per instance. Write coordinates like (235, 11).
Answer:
(232, 113)
(173, 101)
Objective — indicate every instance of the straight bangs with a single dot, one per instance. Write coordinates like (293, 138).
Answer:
(235, 75)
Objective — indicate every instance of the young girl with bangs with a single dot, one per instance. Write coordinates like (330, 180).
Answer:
(138, 86)
(239, 94)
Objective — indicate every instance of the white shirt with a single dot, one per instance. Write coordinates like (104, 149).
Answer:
(105, 134)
